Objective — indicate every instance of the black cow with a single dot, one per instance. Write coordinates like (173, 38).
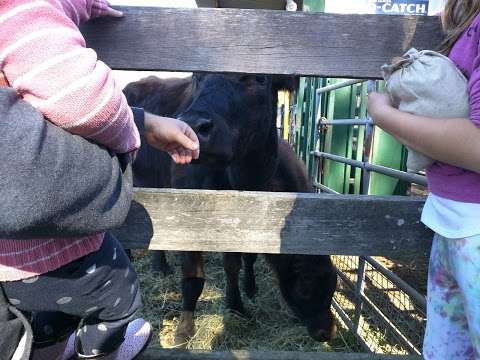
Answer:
(234, 117)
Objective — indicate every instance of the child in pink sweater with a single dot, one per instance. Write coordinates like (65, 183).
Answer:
(44, 57)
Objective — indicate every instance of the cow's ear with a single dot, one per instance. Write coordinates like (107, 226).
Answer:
(136, 92)
(197, 77)
(132, 93)
(285, 82)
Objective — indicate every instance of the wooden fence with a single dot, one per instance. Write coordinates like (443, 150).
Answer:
(267, 42)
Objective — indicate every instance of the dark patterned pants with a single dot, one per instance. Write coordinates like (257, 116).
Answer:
(97, 294)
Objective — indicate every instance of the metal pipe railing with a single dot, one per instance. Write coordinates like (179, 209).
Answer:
(360, 297)
(414, 294)
(381, 316)
(401, 175)
(367, 121)
(325, 188)
(359, 292)
(343, 315)
(339, 85)
(368, 138)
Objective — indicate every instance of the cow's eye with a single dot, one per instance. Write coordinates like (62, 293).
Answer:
(251, 79)
(245, 78)
(261, 79)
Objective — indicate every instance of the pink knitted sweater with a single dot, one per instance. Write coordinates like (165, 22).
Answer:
(44, 57)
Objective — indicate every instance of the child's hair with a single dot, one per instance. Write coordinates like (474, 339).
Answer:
(456, 17)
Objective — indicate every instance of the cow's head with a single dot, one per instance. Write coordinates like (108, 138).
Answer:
(234, 118)
(231, 115)
(309, 291)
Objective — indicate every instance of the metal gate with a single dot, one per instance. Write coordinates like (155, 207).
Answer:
(344, 153)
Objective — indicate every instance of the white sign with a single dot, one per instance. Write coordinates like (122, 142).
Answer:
(399, 7)
(404, 7)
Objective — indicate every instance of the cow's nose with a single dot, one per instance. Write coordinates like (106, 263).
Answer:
(321, 334)
(202, 127)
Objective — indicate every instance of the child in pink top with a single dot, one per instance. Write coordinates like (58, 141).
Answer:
(44, 58)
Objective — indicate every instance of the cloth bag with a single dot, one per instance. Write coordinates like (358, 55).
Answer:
(426, 83)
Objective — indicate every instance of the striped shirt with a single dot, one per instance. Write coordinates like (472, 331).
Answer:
(44, 57)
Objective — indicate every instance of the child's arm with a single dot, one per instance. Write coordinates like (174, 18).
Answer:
(43, 56)
(453, 141)
(41, 162)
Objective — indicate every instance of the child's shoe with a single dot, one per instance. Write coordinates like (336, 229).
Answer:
(137, 337)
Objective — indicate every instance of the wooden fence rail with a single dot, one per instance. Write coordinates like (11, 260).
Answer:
(257, 222)
(257, 41)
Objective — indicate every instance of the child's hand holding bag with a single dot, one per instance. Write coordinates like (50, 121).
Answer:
(426, 83)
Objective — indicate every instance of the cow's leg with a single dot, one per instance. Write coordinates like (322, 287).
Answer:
(232, 263)
(249, 284)
(192, 287)
(160, 263)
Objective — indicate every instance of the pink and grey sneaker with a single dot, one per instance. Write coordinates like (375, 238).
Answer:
(137, 337)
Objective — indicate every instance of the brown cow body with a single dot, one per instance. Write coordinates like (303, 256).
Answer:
(234, 118)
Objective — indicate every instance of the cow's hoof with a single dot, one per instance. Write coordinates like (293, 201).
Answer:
(323, 335)
(181, 340)
(238, 310)
(250, 289)
(185, 330)
(165, 269)
(236, 307)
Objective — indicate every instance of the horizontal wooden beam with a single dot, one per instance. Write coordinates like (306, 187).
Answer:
(257, 41)
(258, 222)
(162, 354)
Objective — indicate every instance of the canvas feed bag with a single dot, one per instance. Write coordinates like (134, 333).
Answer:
(426, 83)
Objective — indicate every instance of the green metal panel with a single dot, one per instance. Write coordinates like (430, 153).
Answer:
(350, 130)
(314, 5)
(386, 151)
(306, 120)
(360, 141)
(319, 136)
(314, 84)
(337, 137)
(299, 116)
(306, 102)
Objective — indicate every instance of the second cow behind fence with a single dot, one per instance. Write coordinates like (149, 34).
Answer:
(234, 117)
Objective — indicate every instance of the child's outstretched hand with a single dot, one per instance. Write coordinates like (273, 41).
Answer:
(172, 136)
